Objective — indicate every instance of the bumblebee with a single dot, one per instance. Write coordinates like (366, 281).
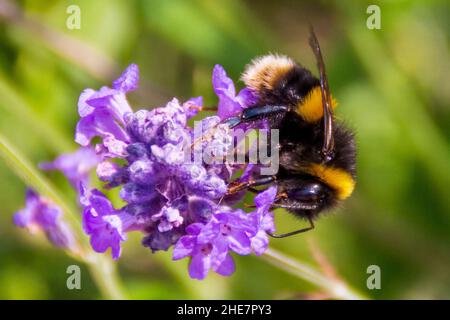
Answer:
(317, 153)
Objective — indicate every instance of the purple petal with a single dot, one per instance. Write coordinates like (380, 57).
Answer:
(228, 107)
(227, 267)
(194, 228)
(183, 247)
(114, 101)
(246, 98)
(209, 232)
(22, 218)
(267, 223)
(239, 220)
(239, 243)
(116, 250)
(61, 236)
(260, 242)
(99, 110)
(31, 197)
(47, 215)
(106, 230)
(219, 251)
(199, 266)
(100, 203)
(84, 108)
(229, 104)
(222, 84)
(100, 98)
(129, 79)
(266, 198)
(100, 242)
(100, 123)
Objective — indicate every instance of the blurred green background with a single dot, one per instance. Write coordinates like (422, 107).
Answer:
(393, 88)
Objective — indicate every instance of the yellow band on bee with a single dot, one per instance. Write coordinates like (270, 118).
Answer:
(336, 178)
(311, 108)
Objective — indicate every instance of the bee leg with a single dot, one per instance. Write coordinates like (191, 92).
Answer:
(235, 187)
(255, 113)
(284, 235)
(255, 191)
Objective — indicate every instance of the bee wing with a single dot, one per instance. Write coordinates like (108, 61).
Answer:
(328, 140)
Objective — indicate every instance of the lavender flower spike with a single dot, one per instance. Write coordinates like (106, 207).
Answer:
(41, 214)
(171, 199)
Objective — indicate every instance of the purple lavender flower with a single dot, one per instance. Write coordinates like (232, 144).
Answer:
(209, 245)
(102, 112)
(155, 177)
(75, 166)
(129, 80)
(171, 199)
(41, 214)
(263, 220)
(170, 196)
(106, 226)
(204, 256)
(230, 104)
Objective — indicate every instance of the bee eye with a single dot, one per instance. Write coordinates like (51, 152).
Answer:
(309, 192)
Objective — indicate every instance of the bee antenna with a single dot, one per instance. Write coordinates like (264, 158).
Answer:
(328, 139)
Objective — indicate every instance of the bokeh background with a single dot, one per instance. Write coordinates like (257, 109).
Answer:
(393, 88)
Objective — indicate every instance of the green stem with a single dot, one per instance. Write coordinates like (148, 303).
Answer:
(105, 276)
(103, 271)
(335, 287)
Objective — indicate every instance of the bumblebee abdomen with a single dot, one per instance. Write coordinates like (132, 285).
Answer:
(310, 108)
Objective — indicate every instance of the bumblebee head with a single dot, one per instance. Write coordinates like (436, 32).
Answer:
(264, 73)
